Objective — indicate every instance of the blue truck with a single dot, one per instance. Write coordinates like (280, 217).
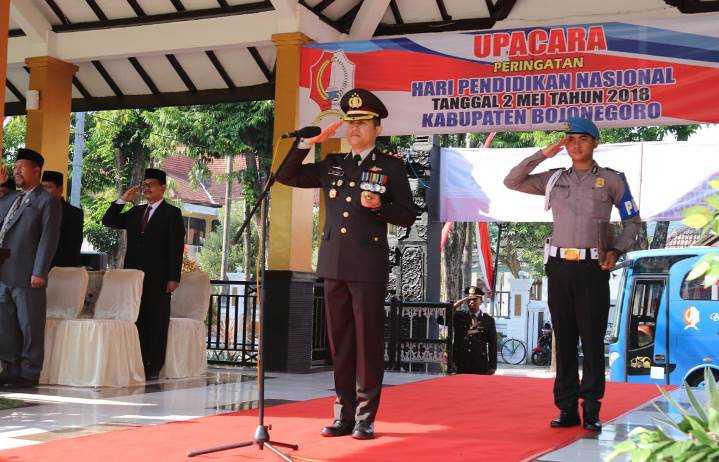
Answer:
(663, 328)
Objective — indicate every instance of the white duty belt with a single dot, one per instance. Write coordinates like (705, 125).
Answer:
(573, 254)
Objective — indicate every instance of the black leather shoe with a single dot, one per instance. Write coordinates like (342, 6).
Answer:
(565, 419)
(338, 428)
(592, 425)
(150, 376)
(363, 431)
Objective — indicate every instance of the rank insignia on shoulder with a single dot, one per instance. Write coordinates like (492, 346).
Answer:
(599, 182)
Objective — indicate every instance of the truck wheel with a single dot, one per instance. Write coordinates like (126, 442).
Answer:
(696, 378)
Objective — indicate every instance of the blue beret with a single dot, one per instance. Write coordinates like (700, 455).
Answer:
(582, 125)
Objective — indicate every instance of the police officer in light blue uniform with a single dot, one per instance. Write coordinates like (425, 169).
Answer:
(581, 199)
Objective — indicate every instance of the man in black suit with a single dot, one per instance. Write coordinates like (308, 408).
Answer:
(68, 248)
(155, 241)
(475, 336)
(364, 190)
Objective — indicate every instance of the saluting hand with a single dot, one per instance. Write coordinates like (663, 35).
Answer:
(554, 148)
(326, 133)
(131, 194)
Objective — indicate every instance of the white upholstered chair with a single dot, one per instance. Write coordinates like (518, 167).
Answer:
(66, 289)
(187, 335)
(105, 350)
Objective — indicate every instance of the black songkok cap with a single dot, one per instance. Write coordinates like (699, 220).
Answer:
(53, 177)
(157, 174)
(29, 154)
(473, 290)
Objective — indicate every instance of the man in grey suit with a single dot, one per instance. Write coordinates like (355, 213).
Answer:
(30, 228)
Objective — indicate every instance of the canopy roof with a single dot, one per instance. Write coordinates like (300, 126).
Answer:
(151, 53)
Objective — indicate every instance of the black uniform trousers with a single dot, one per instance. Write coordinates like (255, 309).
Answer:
(153, 321)
(355, 326)
(579, 305)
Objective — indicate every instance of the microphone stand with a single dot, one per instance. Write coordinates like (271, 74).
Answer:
(261, 436)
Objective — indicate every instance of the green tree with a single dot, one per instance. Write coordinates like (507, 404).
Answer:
(14, 134)
(206, 132)
(210, 256)
(117, 153)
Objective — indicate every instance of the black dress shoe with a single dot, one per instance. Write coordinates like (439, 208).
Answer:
(592, 425)
(151, 375)
(338, 428)
(565, 419)
(363, 431)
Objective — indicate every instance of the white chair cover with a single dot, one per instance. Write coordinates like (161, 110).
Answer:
(187, 335)
(104, 351)
(66, 288)
(120, 295)
(65, 298)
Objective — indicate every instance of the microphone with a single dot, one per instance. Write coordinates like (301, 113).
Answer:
(305, 132)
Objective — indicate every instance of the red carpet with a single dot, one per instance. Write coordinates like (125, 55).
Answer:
(456, 418)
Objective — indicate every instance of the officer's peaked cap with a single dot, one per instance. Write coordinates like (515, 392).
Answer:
(360, 104)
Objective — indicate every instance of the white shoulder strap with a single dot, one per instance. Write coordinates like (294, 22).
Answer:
(550, 185)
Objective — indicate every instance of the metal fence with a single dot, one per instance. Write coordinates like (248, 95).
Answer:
(232, 323)
(416, 338)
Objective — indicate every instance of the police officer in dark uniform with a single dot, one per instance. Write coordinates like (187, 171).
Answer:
(475, 336)
(579, 260)
(364, 190)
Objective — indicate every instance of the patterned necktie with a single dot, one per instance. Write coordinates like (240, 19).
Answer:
(145, 218)
(10, 215)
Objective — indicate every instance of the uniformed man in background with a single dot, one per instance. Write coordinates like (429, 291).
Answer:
(581, 200)
(364, 190)
(474, 348)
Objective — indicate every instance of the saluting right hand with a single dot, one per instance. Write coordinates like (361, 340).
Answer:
(132, 193)
(326, 133)
(554, 148)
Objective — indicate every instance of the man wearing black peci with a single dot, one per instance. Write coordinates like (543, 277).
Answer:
(68, 248)
(155, 241)
(364, 190)
(474, 349)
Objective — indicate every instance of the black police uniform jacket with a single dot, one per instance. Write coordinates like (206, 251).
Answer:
(474, 352)
(354, 239)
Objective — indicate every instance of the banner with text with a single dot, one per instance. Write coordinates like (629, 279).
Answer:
(617, 74)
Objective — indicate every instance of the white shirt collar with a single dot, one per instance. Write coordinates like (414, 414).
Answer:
(365, 153)
(154, 205)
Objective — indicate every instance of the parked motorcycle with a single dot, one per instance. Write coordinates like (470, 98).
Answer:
(542, 353)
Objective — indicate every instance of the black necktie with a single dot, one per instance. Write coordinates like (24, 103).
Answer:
(145, 218)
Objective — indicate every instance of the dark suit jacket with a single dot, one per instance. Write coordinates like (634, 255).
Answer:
(32, 236)
(157, 251)
(354, 240)
(68, 248)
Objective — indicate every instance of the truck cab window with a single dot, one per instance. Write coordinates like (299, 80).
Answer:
(695, 290)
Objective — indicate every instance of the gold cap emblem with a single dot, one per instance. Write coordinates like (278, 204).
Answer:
(355, 101)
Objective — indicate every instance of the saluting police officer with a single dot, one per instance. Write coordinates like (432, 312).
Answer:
(364, 190)
(475, 336)
(581, 200)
